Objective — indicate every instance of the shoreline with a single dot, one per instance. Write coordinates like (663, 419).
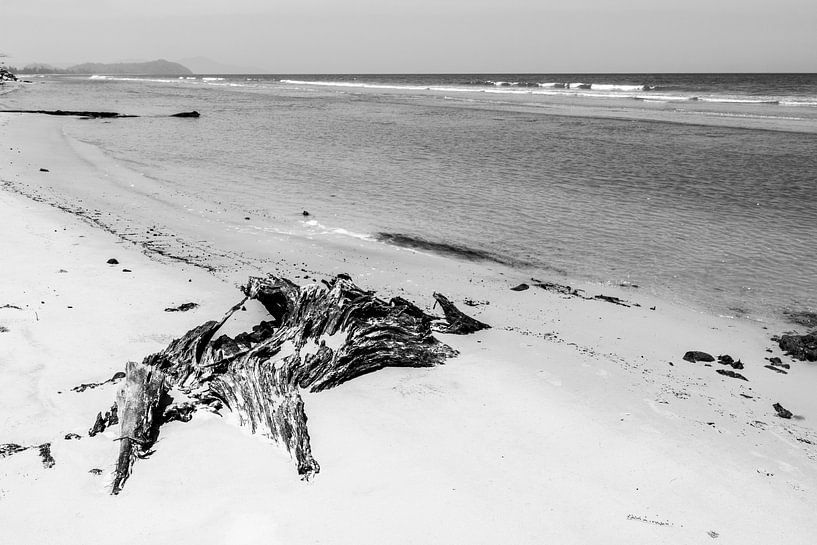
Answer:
(571, 419)
(172, 227)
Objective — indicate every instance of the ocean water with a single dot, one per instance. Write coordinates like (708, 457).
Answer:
(699, 188)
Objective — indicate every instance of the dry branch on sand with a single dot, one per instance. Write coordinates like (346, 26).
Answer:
(316, 338)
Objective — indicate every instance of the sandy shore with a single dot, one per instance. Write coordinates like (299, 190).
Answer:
(571, 421)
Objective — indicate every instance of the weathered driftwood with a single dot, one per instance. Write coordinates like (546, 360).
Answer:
(104, 421)
(139, 403)
(457, 322)
(10, 449)
(316, 338)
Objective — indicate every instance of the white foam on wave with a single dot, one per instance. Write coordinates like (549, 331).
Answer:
(615, 87)
(324, 230)
(738, 100)
(212, 79)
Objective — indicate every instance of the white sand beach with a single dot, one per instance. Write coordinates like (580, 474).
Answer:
(570, 421)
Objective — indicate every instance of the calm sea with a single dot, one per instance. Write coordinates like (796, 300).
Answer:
(700, 188)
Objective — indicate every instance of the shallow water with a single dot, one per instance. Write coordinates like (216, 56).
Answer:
(661, 196)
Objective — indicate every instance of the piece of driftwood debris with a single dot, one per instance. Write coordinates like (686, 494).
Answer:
(732, 374)
(316, 337)
(457, 322)
(44, 450)
(184, 307)
(776, 369)
(91, 114)
(612, 299)
(140, 404)
(45, 455)
(696, 356)
(102, 422)
(573, 292)
(91, 385)
(556, 288)
(781, 411)
(183, 412)
(801, 347)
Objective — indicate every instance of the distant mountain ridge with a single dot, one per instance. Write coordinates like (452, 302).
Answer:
(159, 67)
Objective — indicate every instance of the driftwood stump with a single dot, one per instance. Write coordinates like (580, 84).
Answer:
(139, 403)
(316, 338)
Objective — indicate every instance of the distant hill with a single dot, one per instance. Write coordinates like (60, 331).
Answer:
(160, 67)
(203, 65)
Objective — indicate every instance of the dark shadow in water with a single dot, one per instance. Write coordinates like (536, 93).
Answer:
(442, 248)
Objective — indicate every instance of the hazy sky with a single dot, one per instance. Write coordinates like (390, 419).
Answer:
(303, 36)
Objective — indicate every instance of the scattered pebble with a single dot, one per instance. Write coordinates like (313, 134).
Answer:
(113, 261)
(781, 411)
(520, 287)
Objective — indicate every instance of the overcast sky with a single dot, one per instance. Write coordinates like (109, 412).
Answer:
(311, 36)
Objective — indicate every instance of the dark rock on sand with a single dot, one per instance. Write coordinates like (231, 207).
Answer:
(95, 471)
(520, 287)
(801, 347)
(70, 436)
(777, 362)
(726, 359)
(305, 213)
(731, 374)
(781, 411)
(696, 356)
(184, 307)
(112, 261)
(44, 170)
(194, 113)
